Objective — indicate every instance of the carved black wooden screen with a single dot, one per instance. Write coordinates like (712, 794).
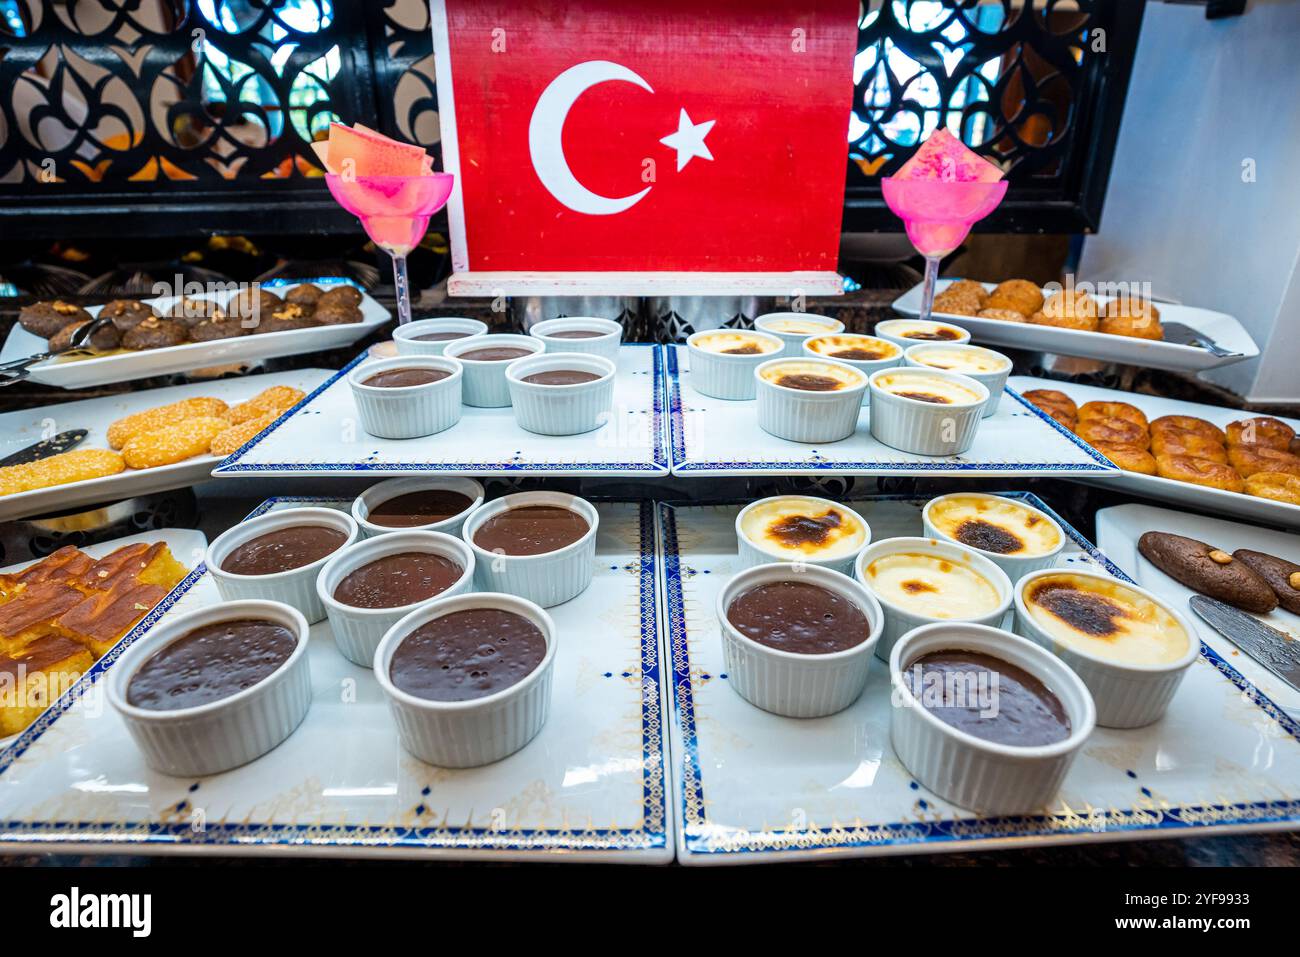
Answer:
(184, 117)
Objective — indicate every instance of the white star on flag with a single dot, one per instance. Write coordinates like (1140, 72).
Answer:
(688, 141)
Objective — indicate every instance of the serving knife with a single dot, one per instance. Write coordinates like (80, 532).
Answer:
(1274, 649)
(1184, 335)
(46, 447)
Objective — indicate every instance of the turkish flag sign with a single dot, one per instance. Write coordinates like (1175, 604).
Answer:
(671, 136)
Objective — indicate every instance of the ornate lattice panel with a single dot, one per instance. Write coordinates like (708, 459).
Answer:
(102, 102)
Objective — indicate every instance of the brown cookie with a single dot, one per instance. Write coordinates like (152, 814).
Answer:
(190, 312)
(218, 327)
(1282, 576)
(304, 295)
(104, 338)
(44, 319)
(155, 334)
(253, 302)
(288, 316)
(335, 314)
(343, 294)
(127, 313)
(1208, 570)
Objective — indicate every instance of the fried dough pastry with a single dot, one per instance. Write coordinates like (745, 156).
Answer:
(1184, 468)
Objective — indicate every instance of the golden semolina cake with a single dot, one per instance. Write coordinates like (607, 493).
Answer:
(31, 613)
(36, 676)
(100, 619)
(141, 562)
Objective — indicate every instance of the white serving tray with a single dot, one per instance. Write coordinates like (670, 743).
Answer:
(1221, 327)
(756, 787)
(23, 428)
(1214, 500)
(720, 437)
(324, 437)
(1118, 531)
(187, 546)
(592, 786)
(126, 366)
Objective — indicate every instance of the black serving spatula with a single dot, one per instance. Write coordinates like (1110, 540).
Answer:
(46, 447)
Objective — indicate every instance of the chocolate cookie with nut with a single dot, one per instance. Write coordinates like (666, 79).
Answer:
(1208, 570)
(44, 319)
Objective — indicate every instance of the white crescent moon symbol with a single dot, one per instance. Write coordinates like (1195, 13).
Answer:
(547, 124)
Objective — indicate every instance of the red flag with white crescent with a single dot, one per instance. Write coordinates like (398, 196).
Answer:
(666, 136)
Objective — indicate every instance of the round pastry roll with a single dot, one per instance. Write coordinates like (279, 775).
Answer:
(1249, 459)
(969, 287)
(1180, 442)
(1186, 468)
(1114, 430)
(957, 302)
(1051, 397)
(1261, 430)
(1016, 295)
(1130, 458)
(1131, 307)
(1002, 315)
(1063, 418)
(1113, 410)
(1188, 423)
(1278, 486)
(1068, 310)
(1135, 327)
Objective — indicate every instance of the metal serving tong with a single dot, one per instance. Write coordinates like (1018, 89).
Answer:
(16, 370)
(1185, 335)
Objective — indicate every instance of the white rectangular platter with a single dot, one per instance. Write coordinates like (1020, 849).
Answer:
(25, 427)
(1221, 327)
(1216, 500)
(187, 546)
(720, 437)
(126, 366)
(324, 437)
(755, 787)
(592, 786)
(1118, 531)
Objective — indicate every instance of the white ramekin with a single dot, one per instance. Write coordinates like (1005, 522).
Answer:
(792, 342)
(723, 376)
(408, 345)
(381, 492)
(295, 587)
(1127, 695)
(995, 382)
(606, 344)
(548, 579)
(753, 553)
(925, 428)
(786, 683)
(485, 382)
(1014, 565)
(898, 620)
(468, 734)
(412, 411)
(972, 772)
(800, 415)
(358, 631)
(865, 366)
(888, 330)
(562, 409)
(219, 735)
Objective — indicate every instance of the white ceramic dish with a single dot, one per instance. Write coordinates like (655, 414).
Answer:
(295, 587)
(128, 366)
(755, 787)
(593, 786)
(484, 442)
(925, 428)
(382, 492)
(793, 341)
(1127, 695)
(721, 375)
(562, 409)
(408, 342)
(25, 427)
(548, 579)
(606, 344)
(973, 772)
(805, 416)
(790, 684)
(1014, 565)
(995, 381)
(227, 733)
(1213, 500)
(1221, 327)
(413, 411)
(469, 734)
(1118, 531)
(716, 437)
(755, 553)
(900, 620)
(891, 330)
(485, 379)
(358, 631)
